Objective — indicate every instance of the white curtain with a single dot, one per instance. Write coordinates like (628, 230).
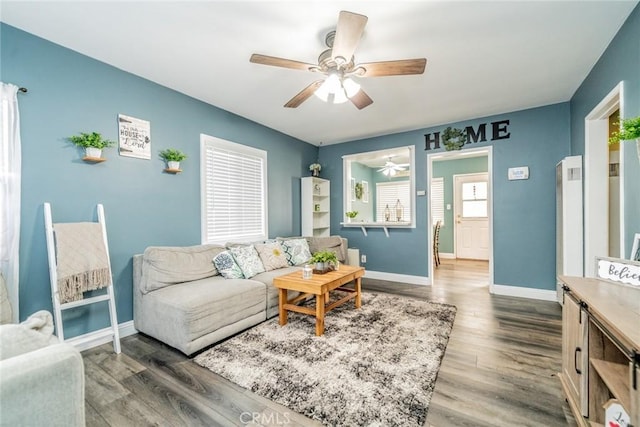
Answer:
(10, 172)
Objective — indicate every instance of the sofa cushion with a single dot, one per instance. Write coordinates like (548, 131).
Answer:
(34, 333)
(227, 266)
(272, 255)
(248, 260)
(165, 265)
(331, 243)
(296, 250)
(195, 309)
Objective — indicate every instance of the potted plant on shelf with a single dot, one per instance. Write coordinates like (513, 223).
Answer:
(324, 260)
(93, 143)
(351, 215)
(315, 169)
(630, 130)
(173, 157)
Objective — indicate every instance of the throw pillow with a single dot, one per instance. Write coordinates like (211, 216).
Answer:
(272, 255)
(297, 251)
(248, 260)
(227, 266)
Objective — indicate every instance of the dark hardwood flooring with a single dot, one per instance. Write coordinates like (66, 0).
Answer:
(499, 369)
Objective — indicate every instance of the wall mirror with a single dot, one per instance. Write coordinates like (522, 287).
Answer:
(380, 186)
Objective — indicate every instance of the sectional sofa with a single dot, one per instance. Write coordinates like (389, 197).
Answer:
(192, 297)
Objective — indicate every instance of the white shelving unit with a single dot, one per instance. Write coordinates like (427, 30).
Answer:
(315, 209)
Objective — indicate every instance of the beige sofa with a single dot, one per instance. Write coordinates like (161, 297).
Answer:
(41, 379)
(181, 299)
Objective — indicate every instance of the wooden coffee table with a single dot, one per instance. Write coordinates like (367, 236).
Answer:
(319, 285)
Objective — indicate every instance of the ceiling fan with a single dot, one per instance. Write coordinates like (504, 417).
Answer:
(337, 63)
(391, 169)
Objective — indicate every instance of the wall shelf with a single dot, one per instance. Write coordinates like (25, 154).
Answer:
(173, 171)
(384, 225)
(316, 207)
(93, 159)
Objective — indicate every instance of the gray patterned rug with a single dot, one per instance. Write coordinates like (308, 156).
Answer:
(373, 366)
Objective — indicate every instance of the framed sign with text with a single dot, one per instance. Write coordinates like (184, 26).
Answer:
(619, 270)
(134, 137)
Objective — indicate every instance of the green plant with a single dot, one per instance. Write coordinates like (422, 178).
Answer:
(630, 130)
(359, 190)
(172, 155)
(453, 138)
(93, 139)
(351, 214)
(324, 256)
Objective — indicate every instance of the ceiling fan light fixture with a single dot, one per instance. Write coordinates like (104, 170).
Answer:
(350, 87)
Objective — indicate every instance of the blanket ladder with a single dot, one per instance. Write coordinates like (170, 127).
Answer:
(82, 342)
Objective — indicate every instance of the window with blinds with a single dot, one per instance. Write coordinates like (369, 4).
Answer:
(388, 194)
(437, 200)
(234, 191)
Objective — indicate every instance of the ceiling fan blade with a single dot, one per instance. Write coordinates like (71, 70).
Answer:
(348, 33)
(393, 68)
(304, 94)
(361, 100)
(256, 58)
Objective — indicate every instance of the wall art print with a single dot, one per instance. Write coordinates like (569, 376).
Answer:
(134, 137)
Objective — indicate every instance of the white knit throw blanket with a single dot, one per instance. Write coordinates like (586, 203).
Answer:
(82, 259)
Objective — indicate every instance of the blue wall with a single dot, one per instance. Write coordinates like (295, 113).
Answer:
(523, 211)
(71, 93)
(619, 63)
(447, 169)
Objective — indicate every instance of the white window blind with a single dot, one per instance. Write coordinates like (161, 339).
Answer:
(388, 194)
(437, 200)
(234, 202)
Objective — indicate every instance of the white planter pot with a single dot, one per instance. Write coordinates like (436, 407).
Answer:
(93, 152)
(638, 148)
(320, 266)
(173, 165)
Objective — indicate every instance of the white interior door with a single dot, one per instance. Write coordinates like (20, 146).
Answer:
(471, 211)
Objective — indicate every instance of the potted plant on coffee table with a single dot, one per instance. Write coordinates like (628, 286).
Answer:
(172, 157)
(324, 260)
(93, 143)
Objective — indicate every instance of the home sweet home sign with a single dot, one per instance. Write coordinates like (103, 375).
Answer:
(496, 130)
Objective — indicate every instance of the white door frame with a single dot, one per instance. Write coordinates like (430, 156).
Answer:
(596, 180)
(453, 155)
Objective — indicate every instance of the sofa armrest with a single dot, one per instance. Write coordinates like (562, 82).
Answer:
(43, 387)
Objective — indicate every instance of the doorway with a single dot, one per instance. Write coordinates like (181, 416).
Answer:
(473, 168)
(600, 220)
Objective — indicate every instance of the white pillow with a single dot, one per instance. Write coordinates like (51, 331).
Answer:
(297, 251)
(272, 255)
(248, 260)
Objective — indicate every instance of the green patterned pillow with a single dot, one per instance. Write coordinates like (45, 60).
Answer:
(227, 266)
(297, 251)
(248, 260)
(272, 255)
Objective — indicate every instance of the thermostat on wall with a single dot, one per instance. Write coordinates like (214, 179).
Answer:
(521, 172)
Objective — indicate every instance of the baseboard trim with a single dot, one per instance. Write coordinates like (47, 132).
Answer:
(394, 277)
(520, 292)
(101, 336)
(446, 255)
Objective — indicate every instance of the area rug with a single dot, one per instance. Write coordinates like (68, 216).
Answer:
(376, 366)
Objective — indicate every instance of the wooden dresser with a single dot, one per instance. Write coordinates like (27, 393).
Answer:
(600, 348)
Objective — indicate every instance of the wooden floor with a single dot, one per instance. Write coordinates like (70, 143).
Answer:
(499, 369)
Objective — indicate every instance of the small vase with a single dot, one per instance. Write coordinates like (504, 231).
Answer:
(173, 165)
(315, 173)
(94, 152)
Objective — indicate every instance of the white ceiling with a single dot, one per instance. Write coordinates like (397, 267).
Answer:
(483, 57)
